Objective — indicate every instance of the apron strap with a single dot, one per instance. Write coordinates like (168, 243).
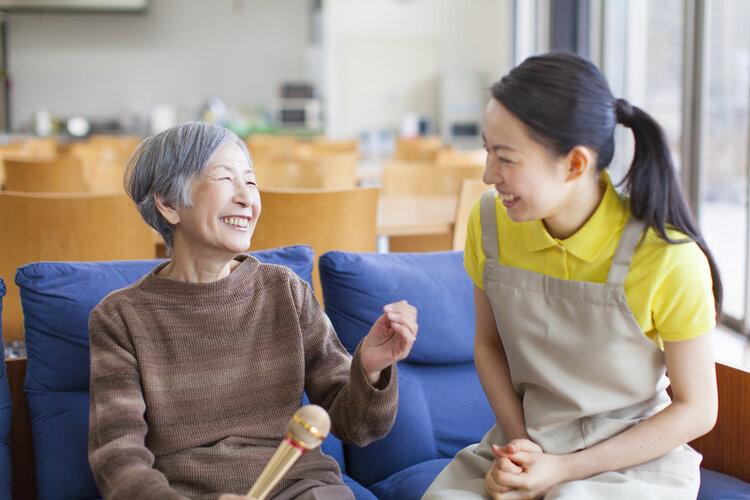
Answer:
(488, 221)
(629, 240)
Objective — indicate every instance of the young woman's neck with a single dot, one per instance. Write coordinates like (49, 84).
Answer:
(580, 204)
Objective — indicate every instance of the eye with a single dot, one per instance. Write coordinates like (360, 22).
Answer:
(506, 160)
(250, 183)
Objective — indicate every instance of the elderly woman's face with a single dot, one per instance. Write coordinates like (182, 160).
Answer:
(226, 205)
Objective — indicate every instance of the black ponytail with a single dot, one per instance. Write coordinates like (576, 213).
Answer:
(565, 102)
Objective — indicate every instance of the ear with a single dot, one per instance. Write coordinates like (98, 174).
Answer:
(166, 209)
(579, 161)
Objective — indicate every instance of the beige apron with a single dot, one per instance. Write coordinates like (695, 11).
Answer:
(584, 371)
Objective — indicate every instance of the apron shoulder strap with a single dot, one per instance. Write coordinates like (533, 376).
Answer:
(629, 240)
(488, 221)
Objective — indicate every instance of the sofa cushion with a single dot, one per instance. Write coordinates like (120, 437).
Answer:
(356, 286)
(6, 410)
(57, 298)
(717, 486)
(410, 483)
(442, 407)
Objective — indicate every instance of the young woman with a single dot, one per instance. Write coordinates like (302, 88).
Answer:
(584, 299)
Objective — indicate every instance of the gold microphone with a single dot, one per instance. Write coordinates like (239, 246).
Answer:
(307, 428)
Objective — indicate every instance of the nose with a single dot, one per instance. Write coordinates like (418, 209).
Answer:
(242, 194)
(491, 174)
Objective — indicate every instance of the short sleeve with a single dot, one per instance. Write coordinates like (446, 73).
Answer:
(683, 305)
(473, 253)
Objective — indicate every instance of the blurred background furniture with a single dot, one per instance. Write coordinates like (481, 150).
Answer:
(63, 226)
(322, 219)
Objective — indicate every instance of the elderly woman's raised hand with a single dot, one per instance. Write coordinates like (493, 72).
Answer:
(390, 339)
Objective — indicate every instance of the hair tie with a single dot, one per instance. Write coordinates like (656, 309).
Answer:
(623, 111)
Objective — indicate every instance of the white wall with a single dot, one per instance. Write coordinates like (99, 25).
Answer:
(180, 51)
(408, 49)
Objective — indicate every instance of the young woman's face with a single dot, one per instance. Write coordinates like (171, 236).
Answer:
(226, 205)
(530, 181)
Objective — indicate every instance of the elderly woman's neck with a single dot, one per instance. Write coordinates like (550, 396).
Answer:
(197, 269)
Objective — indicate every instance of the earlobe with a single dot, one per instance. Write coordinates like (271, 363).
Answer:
(166, 210)
(579, 161)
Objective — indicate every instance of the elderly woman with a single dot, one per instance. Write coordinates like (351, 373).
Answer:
(197, 367)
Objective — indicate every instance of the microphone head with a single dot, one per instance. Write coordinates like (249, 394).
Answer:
(309, 426)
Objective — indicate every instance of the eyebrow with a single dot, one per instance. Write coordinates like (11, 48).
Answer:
(498, 147)
(245, 171)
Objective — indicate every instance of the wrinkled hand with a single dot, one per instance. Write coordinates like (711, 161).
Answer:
(538, 473)
(390, 339)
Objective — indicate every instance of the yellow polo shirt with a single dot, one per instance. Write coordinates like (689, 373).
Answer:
(668, 286)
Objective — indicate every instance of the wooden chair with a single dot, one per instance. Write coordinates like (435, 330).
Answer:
(103, 165)
(31, 174)
(461, 157)
(471, 191)
(324, 219)
(324, 146)
(415, 179)
(725, 448)
(425, 179)
(308, 171)
(78, 227)
(417, 148)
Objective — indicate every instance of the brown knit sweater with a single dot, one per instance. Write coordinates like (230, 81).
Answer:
(192, 384)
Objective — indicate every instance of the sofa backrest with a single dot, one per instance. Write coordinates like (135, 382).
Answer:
(57, 298)
(6, 412)
(442, 407)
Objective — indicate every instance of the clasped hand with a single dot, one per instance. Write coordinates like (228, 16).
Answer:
(521, 470)
(390, 339)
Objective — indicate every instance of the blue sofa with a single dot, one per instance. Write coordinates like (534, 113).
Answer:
(57, 298)
(5, 418)
(442, 407)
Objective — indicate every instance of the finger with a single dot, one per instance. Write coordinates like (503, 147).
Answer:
(491, 484)
(502, 451)
(525, 445)
(506, 465)
(511, 479)
(410, 325)
(404, 332)
(522, 458)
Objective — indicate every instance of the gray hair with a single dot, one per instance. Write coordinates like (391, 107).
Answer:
(167, 163)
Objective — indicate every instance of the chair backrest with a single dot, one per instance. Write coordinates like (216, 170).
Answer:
(417, 148)
(72, 227)
(425, 179)
(442, 407)
(323, 219)
(57, 299)
(471, 191)
(307, 171)
(6, 411)
(103, 161)
(461, 157)
(29, 174)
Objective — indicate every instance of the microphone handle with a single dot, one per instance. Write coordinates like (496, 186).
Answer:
(282, 460)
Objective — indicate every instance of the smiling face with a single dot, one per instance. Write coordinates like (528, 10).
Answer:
(225, 208)
(530, 180)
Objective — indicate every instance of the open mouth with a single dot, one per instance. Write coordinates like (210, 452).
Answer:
(508, 199)
(237, 222)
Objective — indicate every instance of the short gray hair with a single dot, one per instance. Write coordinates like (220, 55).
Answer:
(167, 163)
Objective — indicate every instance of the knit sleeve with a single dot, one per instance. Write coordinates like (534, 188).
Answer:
(120, 461)
(360, 413)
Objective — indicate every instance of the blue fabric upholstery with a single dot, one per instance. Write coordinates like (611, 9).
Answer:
(410, 483)
(717, 486)
(6, 411)
(442, 407)
(57, 298)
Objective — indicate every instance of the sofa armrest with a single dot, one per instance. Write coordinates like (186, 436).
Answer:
(21, 443)
(725, 448)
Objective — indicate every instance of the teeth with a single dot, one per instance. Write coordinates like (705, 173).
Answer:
(508, 197)
(241, 222)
